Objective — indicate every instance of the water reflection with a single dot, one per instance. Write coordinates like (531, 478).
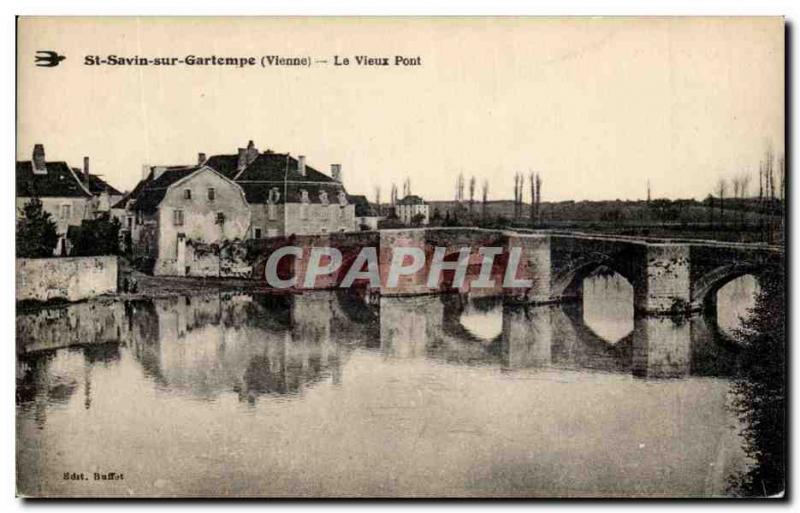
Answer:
(735, 302)
(608, 305)
(254, 345)
(262, 383)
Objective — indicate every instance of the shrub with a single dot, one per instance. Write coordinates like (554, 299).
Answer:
(37, 235)
(98, 236)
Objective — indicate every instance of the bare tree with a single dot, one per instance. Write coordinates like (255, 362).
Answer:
(532, 184)
(471, 193)
(721, 186)
(460, 188)
(538, 197)
(394, 195)
(516, 194)
(407, 187)
(378, 198)
(485, 197)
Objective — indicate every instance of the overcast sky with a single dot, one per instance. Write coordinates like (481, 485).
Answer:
(596, 106)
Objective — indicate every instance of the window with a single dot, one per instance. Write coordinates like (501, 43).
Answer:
(220, 217)
(66, 211)
(187, 194)
(212, 194)
(257, 234)
(272, 211)
(177, 217)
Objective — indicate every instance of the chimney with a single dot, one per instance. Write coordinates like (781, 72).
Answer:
(201, 159)
(301, 165)
(336, 172)
(39, 165)
(242, 163)
(252, 152)
(86, 171)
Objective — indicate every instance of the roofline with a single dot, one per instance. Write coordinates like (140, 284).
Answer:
(72, 172)
(291, 181)
(201, 168)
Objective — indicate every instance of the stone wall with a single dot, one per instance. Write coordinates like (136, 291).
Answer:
(90, 322)
(73, 279)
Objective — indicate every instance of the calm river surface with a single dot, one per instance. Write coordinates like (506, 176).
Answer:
(320, 394)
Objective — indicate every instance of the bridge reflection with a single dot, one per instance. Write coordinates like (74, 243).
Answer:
(550, 336)
(255, 345)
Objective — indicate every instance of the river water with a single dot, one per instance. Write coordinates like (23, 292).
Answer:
(323, 394)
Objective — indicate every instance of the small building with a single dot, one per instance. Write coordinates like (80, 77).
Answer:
(286, 195)
(62, 193)
(367, 214)
(412, 210)
(177, 210)
(105, 196)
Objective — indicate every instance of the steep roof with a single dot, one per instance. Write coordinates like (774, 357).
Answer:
(59, 181)
(411, 199)
(226, 165)
(96, 184)
(363, 207)
(152, 191)
(267, 167)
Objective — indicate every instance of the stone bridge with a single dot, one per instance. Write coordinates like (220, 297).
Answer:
(667, 276)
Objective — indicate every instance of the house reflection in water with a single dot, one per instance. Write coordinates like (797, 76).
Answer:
(255, 345)
(204, 346)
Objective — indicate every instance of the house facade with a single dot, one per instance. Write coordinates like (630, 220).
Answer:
(411, 207)
(180, 213)
(63, 195)
(287, 196)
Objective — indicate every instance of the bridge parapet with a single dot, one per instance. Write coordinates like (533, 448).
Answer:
(532, 267)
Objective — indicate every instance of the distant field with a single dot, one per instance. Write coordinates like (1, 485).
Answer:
(742, 220)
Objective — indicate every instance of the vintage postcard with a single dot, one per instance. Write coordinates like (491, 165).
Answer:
(400, 257)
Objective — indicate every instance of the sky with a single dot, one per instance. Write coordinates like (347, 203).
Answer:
(596, 106)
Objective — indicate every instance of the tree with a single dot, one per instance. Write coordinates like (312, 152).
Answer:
(417, 219)
(471, 193)
(98, 236)
(538, 197)
(760, 389)
(485, 193)
(37, 234)
(721, 185)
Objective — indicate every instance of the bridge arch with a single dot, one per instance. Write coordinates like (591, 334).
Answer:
(705, 288)
(569, 282)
